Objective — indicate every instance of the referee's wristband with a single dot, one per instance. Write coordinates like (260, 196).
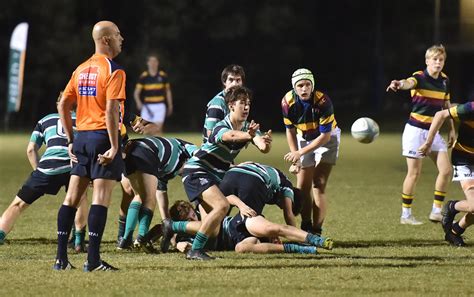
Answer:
(70, 142)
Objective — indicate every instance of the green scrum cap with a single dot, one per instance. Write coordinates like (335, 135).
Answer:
(301, 74)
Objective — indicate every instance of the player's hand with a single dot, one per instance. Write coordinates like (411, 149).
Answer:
(71, 154)
(107, 157)
(247, 211)
(138, 126)
(253, 128)
(424, 149)
(292, 157)
(295, 168)
(394, 85)
(267, 137)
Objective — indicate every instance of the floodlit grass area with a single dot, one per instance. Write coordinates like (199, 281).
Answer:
(374, 254)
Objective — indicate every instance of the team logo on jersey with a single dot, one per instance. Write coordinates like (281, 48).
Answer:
(87, 81)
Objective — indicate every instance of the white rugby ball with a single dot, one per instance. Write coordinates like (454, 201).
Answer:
(365, 130)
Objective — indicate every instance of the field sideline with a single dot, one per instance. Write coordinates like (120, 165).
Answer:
(374, 254)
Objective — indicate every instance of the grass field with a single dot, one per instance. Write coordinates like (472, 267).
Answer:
(374, 254)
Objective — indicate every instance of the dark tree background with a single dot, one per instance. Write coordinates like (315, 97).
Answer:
(354, 48)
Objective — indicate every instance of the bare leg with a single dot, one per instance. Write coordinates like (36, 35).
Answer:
(260, 227)
(445, 170)
(163, 203)
(217, 206)
(80, 220)
(413, 174)
(304, 181)
(11, 214)
(320, 179)
(127, 196)
(253, 245)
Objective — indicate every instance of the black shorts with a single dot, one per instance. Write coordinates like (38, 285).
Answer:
(196, 183)
(87, 146)
(140, 159)
(250, 189)
(237, 231)
(39, 184)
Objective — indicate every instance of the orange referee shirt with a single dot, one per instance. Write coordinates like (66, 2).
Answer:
(93, 83)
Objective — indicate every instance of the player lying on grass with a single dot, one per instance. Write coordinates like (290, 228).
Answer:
(150, 163)
(462, 158)
(242, 234)
(204, 171)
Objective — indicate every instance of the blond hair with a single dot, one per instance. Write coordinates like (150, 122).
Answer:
(435, 50)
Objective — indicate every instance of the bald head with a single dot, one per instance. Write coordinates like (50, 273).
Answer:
(107, 38)
(103, 28)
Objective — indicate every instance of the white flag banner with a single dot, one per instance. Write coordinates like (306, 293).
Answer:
(16, 66)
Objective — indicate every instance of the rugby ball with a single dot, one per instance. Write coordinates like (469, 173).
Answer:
(365, 130)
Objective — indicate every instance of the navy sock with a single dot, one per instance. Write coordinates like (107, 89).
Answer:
(65, 221)
(96, 221)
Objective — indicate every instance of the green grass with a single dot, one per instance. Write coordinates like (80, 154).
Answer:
(374, 255)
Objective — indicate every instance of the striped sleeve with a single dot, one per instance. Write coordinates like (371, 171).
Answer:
(37, 136)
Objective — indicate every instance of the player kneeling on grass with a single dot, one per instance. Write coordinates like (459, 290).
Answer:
(150, 163)
(243, 234)
(462, 158)
(204, 171)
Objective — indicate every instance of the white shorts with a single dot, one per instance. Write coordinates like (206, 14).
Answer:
(326, 154)
(413, 137)
(463, 172)
(154, 112)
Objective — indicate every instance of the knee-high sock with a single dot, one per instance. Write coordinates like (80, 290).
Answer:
(132, 219)
(144, 220)
(121, 226)
(65, 221)
(96, 221)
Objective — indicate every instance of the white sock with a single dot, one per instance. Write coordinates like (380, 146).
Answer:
(435, 209)
(406, 212)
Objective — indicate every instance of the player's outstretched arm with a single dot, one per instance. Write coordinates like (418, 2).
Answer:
(404, 84)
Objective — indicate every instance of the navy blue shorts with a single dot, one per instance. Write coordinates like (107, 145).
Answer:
(87, 146)
(250, 189)
(140, 159)
(196, 183)
(237, 230)
(39, 184)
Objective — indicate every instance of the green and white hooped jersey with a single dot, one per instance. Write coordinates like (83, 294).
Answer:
(49, 130)
(273, 178)
(171, 153)
(216, 156)
(216, 111)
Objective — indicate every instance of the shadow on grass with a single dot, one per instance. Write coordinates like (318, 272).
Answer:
(390, 243)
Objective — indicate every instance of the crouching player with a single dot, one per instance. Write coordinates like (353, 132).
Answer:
(150, 163)
(203, 172)
(462, 158)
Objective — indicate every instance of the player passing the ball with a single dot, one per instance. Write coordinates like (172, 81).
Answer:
(430, 94)
(313, 138)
